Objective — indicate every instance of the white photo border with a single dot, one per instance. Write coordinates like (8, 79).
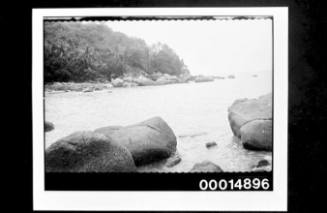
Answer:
(275, 200)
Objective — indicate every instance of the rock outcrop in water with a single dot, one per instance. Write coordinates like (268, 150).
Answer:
(206, 166)
(211, 144)
(90, 89)
(148, 141)
(117, 82)
(155, 79)
(251, 121)
(167, 79)
(88, 152)
(202, 78)
(173, 160)
(48, 126)
(263, 166)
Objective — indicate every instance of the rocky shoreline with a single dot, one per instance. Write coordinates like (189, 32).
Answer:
(126, 148)
(128, 81)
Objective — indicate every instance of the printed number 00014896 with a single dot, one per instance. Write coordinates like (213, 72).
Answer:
(238, 184)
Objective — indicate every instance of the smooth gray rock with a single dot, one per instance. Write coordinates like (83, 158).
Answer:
(251, 121)
(257, 135)
(48, 126)
(211, 144)
(88, 152)
(166, 79)
(90, 89)
(263, 162)
(117, 82)
(202, 78)
(206, 166)
(263, 165)
(173, 161)
(149, 141)
(143, 81)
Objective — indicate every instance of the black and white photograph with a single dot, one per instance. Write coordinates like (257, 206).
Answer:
(158, 96)
(172, 101)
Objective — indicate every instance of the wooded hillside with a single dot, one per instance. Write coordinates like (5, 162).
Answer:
(82, 52)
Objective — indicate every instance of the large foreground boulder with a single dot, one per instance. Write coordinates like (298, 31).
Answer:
(148, 141)
(251, 121)
(88, 152)
(206, 166)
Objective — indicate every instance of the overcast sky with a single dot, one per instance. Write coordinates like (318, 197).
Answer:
(210, 47)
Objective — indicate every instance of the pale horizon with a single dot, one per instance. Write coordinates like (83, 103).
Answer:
(238, 47)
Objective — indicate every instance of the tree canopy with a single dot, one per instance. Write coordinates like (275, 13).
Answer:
(85, 52)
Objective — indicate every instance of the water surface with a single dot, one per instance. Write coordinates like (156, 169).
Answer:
(197, 113)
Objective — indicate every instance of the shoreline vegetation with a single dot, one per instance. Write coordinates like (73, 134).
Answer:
(88, 57)
(84, 52)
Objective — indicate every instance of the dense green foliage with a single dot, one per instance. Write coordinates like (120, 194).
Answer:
(86, 52)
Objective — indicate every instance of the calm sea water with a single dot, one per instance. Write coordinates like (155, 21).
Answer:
(197, 113)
